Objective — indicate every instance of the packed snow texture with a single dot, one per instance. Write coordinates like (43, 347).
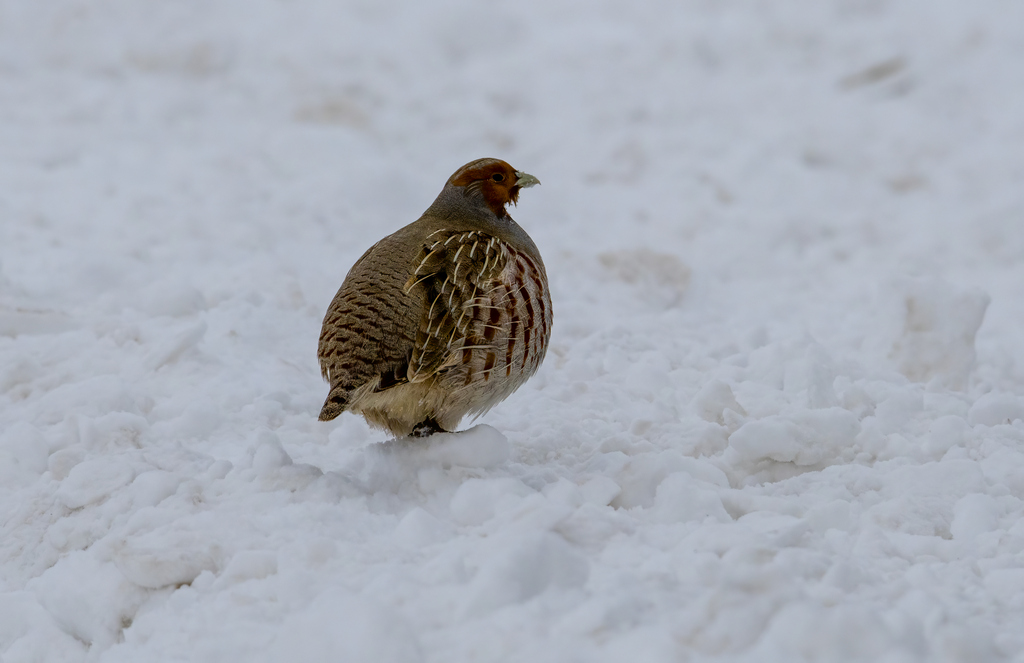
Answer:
(780, 417)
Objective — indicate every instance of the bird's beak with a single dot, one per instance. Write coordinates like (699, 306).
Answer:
(525, 180)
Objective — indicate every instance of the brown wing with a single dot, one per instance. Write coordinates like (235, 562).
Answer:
(368, 332)
(455, 271)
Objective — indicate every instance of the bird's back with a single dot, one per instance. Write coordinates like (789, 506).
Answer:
(370, 326)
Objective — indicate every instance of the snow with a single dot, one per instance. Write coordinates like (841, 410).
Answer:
(781, 418)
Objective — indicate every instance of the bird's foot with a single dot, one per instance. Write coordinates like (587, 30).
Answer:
(427, 427)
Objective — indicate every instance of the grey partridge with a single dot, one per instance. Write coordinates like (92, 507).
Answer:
(444, 318)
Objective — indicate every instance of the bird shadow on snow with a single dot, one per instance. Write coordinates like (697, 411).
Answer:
(480, 446)
(393, 465)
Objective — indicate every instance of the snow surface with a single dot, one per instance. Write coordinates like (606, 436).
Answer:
(780, 419)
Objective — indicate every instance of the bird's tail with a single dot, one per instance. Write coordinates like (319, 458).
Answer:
(336, 403)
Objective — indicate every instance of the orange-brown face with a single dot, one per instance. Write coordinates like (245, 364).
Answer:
(497, 182)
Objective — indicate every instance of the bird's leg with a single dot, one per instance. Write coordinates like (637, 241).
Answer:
(427, 427)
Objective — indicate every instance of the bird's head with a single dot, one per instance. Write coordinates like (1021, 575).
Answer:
(493, 181)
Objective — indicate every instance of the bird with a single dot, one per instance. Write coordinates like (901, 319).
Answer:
(444, 318)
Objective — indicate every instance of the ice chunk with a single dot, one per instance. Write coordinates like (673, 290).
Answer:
(61, 462)
(269, 454)
(973, 515)
(809, 377)
(89, 598)
(249, 565)
(934, 337)
(93, 480)
(945, 433)
(640, 479)
(807, 437)
(116, 430)
(166, 558)
(150, 488)
(996, 408)
(680, 498)
(713, 399)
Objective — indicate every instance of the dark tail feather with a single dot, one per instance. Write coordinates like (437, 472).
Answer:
(336, 403)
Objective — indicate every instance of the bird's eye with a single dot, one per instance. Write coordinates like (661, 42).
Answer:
(498, 177)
